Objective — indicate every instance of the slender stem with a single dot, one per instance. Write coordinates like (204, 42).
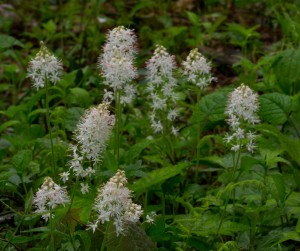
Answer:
(117, 128)
(103, 244)
(73, 194)
(52, 246)
(197, 141)
(235, 164)
(49, 127)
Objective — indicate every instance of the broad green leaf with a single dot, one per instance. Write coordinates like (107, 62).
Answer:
(209, 111)
(206, 225)
(7, 41)
(136, 149)
(286, 69)
(156, 231)
(157, 176)
(275, 108)
(280, 187)
(8, 124)
(247, 162)
(72, 117)
(21, 160)
(35, 113)
(80, 97)
(193, 17)
(291, 235)
(292, 147)
(68, 79)
(28, 201)
(85, 238)
(50, 27)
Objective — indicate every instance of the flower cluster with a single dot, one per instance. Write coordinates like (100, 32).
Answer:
(44, 67)
(48, 197)
(114, 203)
(91, 134)
(160, 86)
(241, 112)
(116, 63)
(93, 131)
(197, 69)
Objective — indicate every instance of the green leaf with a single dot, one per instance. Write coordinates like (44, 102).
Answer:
(35, 113)
(291, 235)
(280, 187)
(21, 160)
(8, 124)
(80, 97)
(28, 201)
(68, 79)
(72, 117)
(286, 69)
(275, 108)
(193, 17)
(157, 176)
(209, 111)
(156, 231)
(84, 236)
(136, 149)
(247, 162)
(298, 226)
(50, 26)
(7, 41)
(292, 147)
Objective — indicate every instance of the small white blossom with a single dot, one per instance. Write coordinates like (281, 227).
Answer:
(44, 67)
(64, 176)
(48, 197)
(94, 130)
(150, 217)
(197, 69)
(84, 188)
(93, 226)
(114, 203)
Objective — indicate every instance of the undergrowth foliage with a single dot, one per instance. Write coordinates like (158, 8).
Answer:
(152, 155)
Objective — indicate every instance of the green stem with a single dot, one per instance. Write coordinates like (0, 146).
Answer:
(197, 142)
(49, 127)
(73, 194)
(117, 128)
(103, 244)
(52, 246)
(235, 164)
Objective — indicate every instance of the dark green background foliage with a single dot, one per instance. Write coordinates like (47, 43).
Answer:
(203, 197)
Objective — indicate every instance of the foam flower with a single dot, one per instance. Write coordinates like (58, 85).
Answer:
(48, 197)
(44, 67)
(114, 203)
(241, 111)
(93, 131)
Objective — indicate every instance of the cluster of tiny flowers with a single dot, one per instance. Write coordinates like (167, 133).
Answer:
(114, 203)
(93, 131)
(48, 197)
(160, 86)
(44, 67)
(197, 69)
(241, 111)
(116, 63)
